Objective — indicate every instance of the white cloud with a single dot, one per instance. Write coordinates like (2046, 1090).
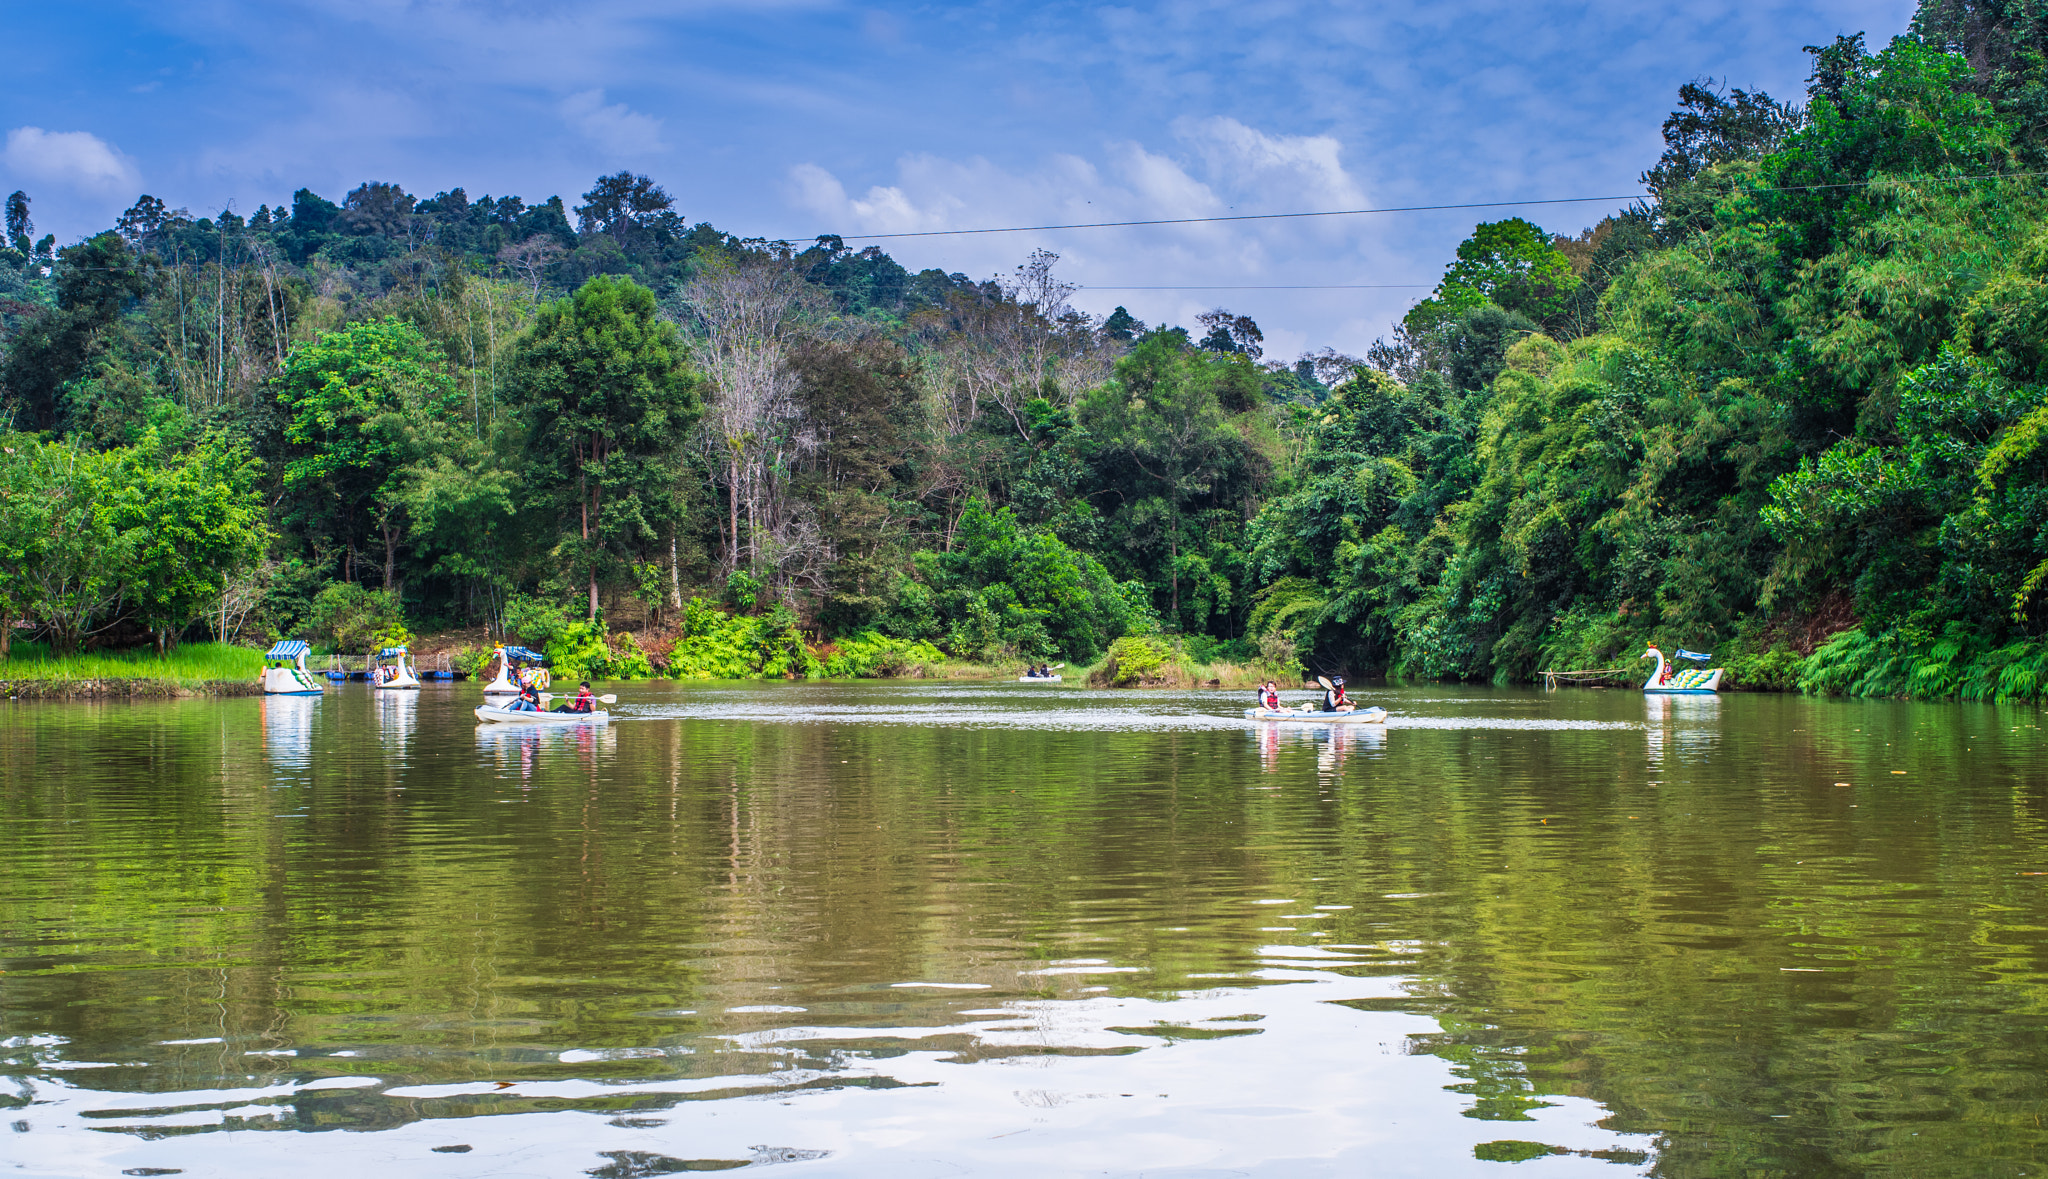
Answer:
(1218, 167)
(617, 129)
(75, 159)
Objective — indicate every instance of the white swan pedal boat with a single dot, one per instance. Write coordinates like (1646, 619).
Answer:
(521, 716)
(514, 665)
(1363, 716)
(1703, 681)
(284, 671)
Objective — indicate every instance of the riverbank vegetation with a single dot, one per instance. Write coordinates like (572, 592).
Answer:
(192, 667)
(1789, 408)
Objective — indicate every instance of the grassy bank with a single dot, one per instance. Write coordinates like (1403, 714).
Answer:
(215, 668)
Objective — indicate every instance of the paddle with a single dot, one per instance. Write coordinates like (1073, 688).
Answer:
(607, 698)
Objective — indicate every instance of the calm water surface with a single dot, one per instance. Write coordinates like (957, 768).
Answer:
(1011, 930)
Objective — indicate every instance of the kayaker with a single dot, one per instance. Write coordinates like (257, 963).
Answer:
(583, 701)
(529, 700)
(1334, 699)
(1269, 696)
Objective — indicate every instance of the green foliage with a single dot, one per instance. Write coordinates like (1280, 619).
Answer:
(1006, 590)
(610, 401)
(1133, 659)
(1511, 264)
(88, 537)
(871, 655)
(578, 649)
(354, 619)
(533, 621)
(718, 646)
(192, 665)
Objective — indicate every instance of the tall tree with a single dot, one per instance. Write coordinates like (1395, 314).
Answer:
(365, 403)
(611, 399)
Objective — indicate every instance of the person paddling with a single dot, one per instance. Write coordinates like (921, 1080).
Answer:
(583, 702)
(1334, 699)
(529, 699)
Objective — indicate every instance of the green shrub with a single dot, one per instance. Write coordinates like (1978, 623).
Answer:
(628, 661)
(1772, 671)
(533, 621)
(577, 650)
(713, 645)
(1134, 658)
(354, 619)
(718, 646)
(869, 655)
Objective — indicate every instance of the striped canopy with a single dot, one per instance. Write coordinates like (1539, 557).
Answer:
(522, 655)
(1685, 654)
(390, 652)
(288, 649)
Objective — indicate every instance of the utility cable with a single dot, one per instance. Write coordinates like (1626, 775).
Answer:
(1633, 196)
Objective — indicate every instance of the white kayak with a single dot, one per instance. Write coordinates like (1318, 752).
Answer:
(1038, 679)
(521, 716)
(1364, 716)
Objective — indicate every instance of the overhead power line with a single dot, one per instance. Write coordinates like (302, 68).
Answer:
(1632, 196)
(870, 237)
(1340, 286)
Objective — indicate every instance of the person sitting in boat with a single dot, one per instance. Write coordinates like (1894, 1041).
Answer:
(529, 700)
(1334, 699)
(1269, 696)
(583, 701)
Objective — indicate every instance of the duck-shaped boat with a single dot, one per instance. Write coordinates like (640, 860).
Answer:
(1682, 682)
(284, 671)
(513, 663)
(392, 668)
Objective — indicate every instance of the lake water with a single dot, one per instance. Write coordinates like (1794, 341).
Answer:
(913, 930)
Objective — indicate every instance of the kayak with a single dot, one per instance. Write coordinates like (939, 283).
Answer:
(520, 716)
(1038, 679)
(1364, 716)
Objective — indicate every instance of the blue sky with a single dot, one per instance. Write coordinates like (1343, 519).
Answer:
(797, 118)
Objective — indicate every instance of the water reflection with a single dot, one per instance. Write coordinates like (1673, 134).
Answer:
(933, 929)
(520, 749)
(1332, 745)
(288, 736)
(397, 713)
(1686, 727)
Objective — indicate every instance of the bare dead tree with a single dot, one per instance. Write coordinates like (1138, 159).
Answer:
(532, 258)
(748, 312)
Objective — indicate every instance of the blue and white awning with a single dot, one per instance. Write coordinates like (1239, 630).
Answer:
(522, 655)
(1685, 654)
(288, 649)
(391, 652)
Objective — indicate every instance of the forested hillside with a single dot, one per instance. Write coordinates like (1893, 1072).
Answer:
(1792, 409)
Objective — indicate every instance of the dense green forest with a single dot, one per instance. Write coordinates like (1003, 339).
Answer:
(1791, 408)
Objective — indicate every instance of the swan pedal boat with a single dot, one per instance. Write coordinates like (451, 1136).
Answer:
(1704, 681)
(1363, 716)
(520, 716)
(1038, 679)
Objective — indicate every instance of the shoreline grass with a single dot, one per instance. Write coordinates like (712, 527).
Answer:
(188, 666)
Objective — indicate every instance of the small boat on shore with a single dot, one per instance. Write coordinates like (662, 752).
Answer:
(520, 716)
(284, 671)
(1362, 716)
